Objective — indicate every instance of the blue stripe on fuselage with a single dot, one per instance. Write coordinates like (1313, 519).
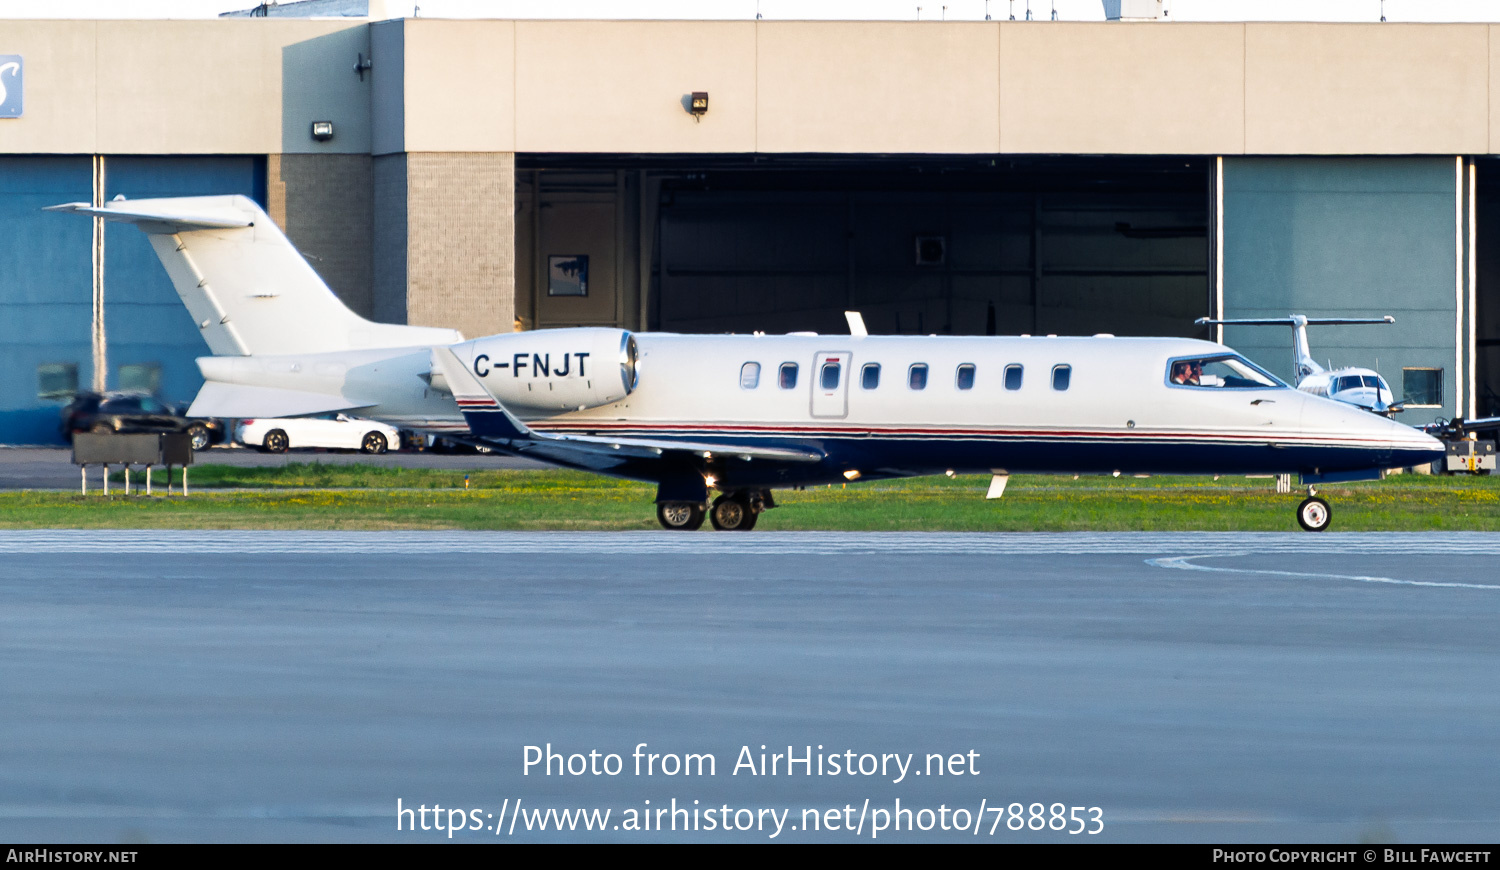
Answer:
(887, 456)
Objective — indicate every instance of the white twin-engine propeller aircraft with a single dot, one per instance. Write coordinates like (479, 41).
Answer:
(744, 414)
(1361, 387)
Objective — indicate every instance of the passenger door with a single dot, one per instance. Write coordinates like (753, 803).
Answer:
(830, 384)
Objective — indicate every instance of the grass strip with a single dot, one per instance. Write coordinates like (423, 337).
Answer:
(315, 496)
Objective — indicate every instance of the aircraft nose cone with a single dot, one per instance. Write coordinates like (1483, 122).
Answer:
(1410, 447)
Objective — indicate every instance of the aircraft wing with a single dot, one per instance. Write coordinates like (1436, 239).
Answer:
(1451, 430)
(490, 421)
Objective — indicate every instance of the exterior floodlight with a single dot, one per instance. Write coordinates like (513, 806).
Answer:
(322, 131)
(698, 104)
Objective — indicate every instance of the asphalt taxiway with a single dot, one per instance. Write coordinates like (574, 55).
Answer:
(285, 686)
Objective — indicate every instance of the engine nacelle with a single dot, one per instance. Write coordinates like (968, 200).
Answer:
(553, 369)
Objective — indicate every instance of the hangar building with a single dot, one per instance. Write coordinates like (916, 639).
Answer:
(1001, 177)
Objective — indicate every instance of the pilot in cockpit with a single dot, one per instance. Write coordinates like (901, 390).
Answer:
(1187, 373)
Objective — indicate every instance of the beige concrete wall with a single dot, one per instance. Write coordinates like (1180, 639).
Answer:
(324, 203)
(878, 86)
(387, 77)
(963, 87)
(460, 249)
(252, 86)
(624, 82)
(1494, 89)
(460, 86)
(1367, 89)
(318, 83)
(186, 87)
(1122, 88)
(60, 81)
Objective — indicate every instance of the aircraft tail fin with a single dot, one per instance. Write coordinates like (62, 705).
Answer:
(247, 288)
(1302, 362)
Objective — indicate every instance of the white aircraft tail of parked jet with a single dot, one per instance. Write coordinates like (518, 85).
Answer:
(1361, 387)
(247, 288)
(745, 414)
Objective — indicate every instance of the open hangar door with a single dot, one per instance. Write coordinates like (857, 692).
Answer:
(948, 245)
(1070, 246)
(1487, 287)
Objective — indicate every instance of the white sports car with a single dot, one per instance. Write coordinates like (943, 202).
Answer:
(338, 431)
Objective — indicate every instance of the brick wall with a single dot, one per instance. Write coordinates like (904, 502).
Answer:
(323, 203)
(460, 254)
(388, 259)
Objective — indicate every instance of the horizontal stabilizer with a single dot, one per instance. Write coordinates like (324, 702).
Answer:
(238, 400)
(1294, 320)
(177, 219)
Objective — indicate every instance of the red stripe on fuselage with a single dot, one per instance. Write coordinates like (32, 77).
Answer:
(619, 428)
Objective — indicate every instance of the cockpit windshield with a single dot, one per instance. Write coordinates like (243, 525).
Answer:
(1226, 371)
(1355, 382)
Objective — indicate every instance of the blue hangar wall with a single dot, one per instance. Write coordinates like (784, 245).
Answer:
(1347, 237)
(46, 282)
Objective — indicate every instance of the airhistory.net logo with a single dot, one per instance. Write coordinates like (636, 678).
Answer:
(10, 85)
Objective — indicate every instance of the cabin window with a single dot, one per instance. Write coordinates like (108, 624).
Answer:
(1013, 377)
(869, 376)
(830, 374)
(788, 378)
(749, 375)
(1220, 372)
(1061, 377)
(916, 378)
(1422, 387)
(965, 378)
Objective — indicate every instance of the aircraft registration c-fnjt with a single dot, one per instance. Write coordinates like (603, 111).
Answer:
(744, 414)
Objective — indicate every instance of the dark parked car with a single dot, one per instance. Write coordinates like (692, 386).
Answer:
(135, 412)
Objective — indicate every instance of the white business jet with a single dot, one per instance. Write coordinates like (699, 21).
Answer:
(744, 414)
(1362, 388)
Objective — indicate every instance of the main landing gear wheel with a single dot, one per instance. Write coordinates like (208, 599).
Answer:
(680, 516)
(1314, 514)
(374, 442)
(732, 513)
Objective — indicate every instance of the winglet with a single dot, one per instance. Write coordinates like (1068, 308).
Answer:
(485, 415)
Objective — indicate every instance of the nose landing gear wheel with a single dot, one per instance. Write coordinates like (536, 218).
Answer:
(684, 516)
(732, 513)
(1314, 514)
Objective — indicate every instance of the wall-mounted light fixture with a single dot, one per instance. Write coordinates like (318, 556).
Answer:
(698, 104)
(322, 131)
